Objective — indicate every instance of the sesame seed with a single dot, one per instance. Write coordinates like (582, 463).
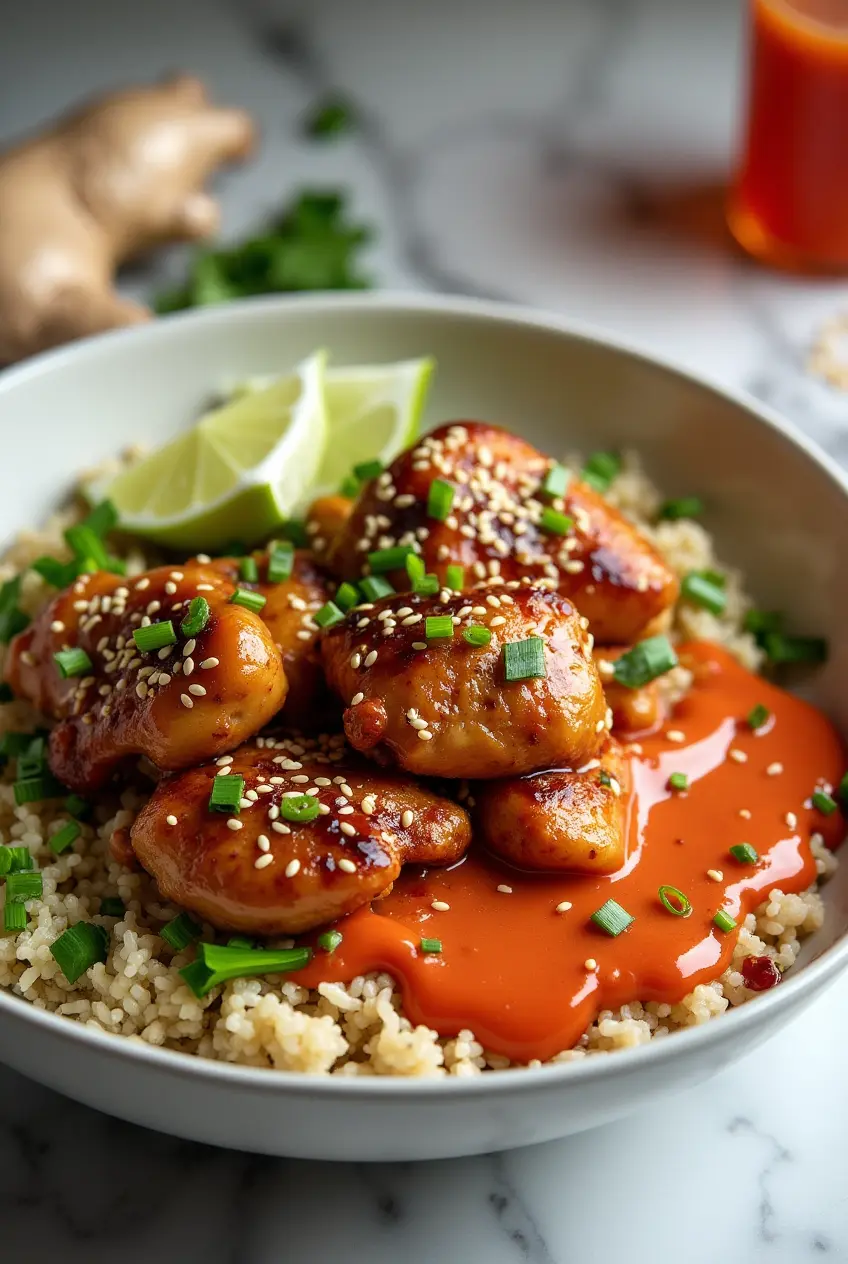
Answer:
(224, 759)
(357, 698)
(791, 820)
(141, 584)
(590, 963)
(407, 818)
(189, 647)
(323, 781)
(57, 626)
(251, 797)
(197, 690)
(165, 652)
(292, 868)
(348, 829)
(774, 770)
(188, 666)
(170, 588)
(371, 658)
(738, 756)
(745, 813)
(440, 906)
(497, 621)
(209, 663)
(504, 889)
(300, 780)
(186, 701)
(355, 660)
(600, 726)
(410, 619)
(141, 689)
(304, 636)
(346, 809)
(263, 842)
(715, 874)
(205, 588)
(234, 823)
(347, 866)
(425, 735)
(675, 735)
(564, 906)
(419, 645)
(369, 804)
(263, 861)
(171, 820)
(278, 827)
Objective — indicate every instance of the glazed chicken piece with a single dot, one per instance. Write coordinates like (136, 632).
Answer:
(287, 614)
(633, 710)
(572, 821)
(326, 522)
(497, 525)
(265, 874)
(441, 707)
(177, 705)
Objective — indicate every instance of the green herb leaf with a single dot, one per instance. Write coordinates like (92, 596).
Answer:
(329, 119)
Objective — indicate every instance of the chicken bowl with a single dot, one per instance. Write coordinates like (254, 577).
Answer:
(461, 782)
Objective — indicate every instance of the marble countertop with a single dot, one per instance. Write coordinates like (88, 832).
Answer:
(571, 156)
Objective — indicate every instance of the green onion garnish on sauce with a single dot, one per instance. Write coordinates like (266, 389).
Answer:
(430, 945)
(14, 917)
(643, 663)
(440, 499)
(600, 470)
(842, 789)
(382, 561)
(350, 487)
(328, 615)
(216, 964)
(64, 838)
(794, 649)
(476, 635)
(26, 884)
(329, 940)
(415, 568)
(612, 918)
(347, 596)
(366, 470)
(20, 858)
(34, 789)
(678, 781)
(744, 853)
(14, 744)
(248, 570)
(72, 663)
(552, 522)
(248, 599)
(112, 906)
(280, 561)
(455, 578)
(757, 716)
(438, 627)
(196, 618)
(674, 901)
(702, 590)
(79, 948)
(555, 482)
(374, 588)
(427, 586)
(683, 507)
(155, 636)
(524, 660)
(227, 792)
(76, 805)
(724, 921)
(760, 622)
(181, 931)
(241, 941)
(301, 808)
(823, 802)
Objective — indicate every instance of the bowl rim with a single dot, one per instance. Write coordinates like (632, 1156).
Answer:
(813, 976)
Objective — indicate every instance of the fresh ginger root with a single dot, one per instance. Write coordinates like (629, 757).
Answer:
(120, 176)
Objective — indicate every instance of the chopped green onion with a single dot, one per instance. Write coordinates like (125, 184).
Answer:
(328, 615)
(249, 600)
(702, 590)
(65, 838)
(227, 792)
(431, 945)
(347, 596)
(5, 859)
(86, 545)
(794, 649)
(600, 470)
(757, 716)
(294, 529)
(440, 499)
(12, 618)
(57, 573)
(382, 561)
(34, 789)
(744, 853)
(683, 507)
(824, 802)
(102, 519)
(13, 744)
(112, 906)
(79, 948)
(329, 940)
(455, 578)
(181, 931)
(612, 918)
(196, 618)
(374, 587)
(842, 789)
(349, 487)
(604, 778)
(280, 561)
(674, 901)
(724, 921)
(301, 809)
(555, 483)
(367, 470)
(415, 568)
(14, 917)
(438, 627)
(524, 660)
(679, 781)
(6, 694)
(643, 663)
(327, 120)
(428, 586)
(76, 805)
(476, 635)
(155, 636)
(760, 622)
(20, 859)
(23, 885)
(216, 964)
(241, 941)
(248, 570)
(72, 663)
(552, 522)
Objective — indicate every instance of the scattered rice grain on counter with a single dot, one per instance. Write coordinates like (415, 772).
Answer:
(353, 1029)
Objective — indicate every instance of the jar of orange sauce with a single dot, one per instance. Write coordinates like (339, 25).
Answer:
(789, 202)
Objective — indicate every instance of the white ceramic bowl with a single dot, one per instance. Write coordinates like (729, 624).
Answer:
(777, 506)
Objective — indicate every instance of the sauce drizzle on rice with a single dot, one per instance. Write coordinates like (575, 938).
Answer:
(527, 978)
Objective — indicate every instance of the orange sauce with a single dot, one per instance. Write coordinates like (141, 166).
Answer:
(790, 202)
(514, 970)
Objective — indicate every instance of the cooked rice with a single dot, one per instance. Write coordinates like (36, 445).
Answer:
(344, 1029)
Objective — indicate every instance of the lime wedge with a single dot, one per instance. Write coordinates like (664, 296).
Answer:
(237, 474)
(374, 412)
